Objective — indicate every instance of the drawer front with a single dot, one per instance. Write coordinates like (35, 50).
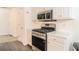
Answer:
(55, 48)
(56, 36)
(55, 43)
(58, 40)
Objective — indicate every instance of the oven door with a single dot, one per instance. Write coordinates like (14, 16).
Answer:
(39, 43)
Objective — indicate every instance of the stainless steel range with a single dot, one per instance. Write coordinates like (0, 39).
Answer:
(39, 36)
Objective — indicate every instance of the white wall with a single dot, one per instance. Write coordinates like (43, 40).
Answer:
(16, 21)
(4, 21)
(12, 20)
(74, 14)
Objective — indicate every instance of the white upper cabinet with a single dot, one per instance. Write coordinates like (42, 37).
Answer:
(74, 13)
(61, 13)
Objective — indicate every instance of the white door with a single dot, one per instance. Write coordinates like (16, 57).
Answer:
(28, 24)
(21, 26)
(4, 21)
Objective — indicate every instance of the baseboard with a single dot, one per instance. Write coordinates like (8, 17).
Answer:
(29, 46)
(24, 44)
(6, 35)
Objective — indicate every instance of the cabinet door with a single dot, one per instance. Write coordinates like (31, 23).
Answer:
(61, 13)
(21, 25)
(55, 44)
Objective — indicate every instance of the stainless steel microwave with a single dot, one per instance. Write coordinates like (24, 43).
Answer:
(45, 16)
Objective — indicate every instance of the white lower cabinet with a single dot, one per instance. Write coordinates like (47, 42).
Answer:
(55, 48)
(55, 43)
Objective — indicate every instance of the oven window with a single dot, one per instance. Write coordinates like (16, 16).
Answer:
(38, 42)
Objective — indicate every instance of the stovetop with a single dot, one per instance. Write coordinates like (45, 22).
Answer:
(44, 30)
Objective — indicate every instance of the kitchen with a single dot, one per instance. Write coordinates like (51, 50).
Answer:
(63, 37)
(44, 28)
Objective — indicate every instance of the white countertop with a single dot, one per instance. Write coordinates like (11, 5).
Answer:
(60, 33)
